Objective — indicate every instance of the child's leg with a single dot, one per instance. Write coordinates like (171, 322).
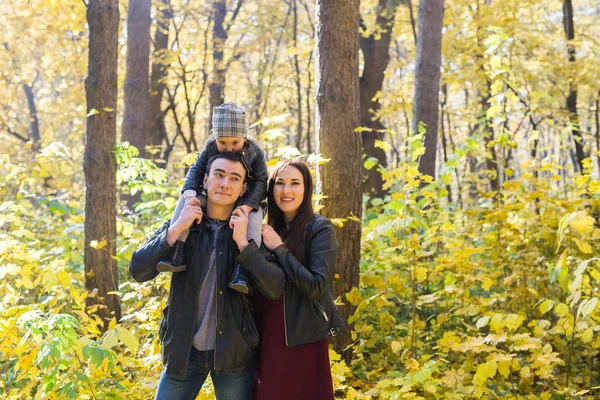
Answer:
(239, 279)
(255, 219)
(176, 262)
(176, 214)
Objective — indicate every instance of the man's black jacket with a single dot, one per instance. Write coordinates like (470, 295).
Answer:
(253, 159)
(236, 335)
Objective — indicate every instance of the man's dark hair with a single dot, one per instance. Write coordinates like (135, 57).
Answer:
(227, 155)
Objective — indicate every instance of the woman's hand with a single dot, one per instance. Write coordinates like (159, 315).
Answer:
(270, 238)
(239, 223)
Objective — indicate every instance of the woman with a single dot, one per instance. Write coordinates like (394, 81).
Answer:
(294, 358)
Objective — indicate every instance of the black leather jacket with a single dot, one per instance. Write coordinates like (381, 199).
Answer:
(309, 311)
(236, 334)
(253, 159)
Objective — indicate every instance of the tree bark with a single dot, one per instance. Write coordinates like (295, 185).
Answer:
(157, 130)
(488, 136)
(598, 127)
(376, 58)
(217, 84)
(572, 97)
(296, 66)
(99, 165)
(337, 116)
(427, 79)
(135, 112)
(34, 123)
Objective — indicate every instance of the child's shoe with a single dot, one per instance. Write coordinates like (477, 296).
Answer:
(239, 280)
(176, 263)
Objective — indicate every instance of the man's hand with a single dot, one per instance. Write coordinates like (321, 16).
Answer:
(191, 212)
(239, 223)
(271, 239)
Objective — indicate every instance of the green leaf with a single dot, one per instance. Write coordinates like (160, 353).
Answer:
(370, 163)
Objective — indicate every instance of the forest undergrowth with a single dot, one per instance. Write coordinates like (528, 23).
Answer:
(491, 298)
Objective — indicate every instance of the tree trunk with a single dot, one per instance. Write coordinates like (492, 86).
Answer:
(336, 120)
(598, 127)
(376, 58)
(427, 79)
(135, 112)
(217, 84)
(443, 133)
(296, 65)
(488, 136)
(99, 165)
(572, 97)
(33, 118)
(157, 130)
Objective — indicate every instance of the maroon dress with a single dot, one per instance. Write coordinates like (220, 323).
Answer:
(291, 373)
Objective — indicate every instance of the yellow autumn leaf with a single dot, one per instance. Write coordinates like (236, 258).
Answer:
(513, 321)
(546, 306)
(587, 335)
(127, 338)
(110, 339)
(94, 244)
(421, 274)
(413, 364)
(487, 284)
(496, 323)
(418, 153)
(484, 372)
(504, 368)
(582, 223)
(584, 247)
(354, 296)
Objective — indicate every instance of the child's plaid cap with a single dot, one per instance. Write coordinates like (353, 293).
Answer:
(229, 120)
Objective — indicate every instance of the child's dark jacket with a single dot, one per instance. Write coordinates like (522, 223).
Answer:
(253, 159)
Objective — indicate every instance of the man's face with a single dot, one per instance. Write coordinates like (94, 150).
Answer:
(225, 182)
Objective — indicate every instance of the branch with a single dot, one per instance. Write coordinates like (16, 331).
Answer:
(412, 20)
(15, 134)
(234, 16)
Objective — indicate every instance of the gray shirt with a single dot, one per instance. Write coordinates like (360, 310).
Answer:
(206, 317)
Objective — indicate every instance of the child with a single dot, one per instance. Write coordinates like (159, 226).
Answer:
(230, 129)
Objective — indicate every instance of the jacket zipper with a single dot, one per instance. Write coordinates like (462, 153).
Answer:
(216, 300)
(322, 311)
(191, 336)
(245, 164)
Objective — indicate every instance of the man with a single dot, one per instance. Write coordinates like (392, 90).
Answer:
(208, 328)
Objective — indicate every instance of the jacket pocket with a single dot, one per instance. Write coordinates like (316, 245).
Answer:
(249, 326)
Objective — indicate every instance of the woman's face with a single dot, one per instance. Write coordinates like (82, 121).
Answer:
(288, 191)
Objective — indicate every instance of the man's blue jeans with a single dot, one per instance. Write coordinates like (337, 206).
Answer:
(228, 386)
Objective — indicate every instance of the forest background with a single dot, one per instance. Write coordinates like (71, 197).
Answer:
(456, 148)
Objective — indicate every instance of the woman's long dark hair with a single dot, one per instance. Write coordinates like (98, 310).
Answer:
(294, 234)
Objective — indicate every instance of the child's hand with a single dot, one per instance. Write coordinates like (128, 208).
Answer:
(270, 238)
(246, 209)
(188, 195)
(239, 223)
